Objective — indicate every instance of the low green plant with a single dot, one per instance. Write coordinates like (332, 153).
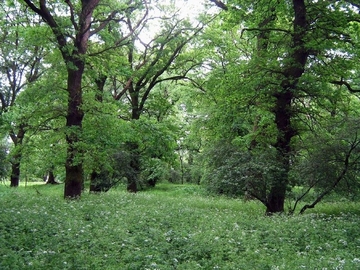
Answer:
(168, 227)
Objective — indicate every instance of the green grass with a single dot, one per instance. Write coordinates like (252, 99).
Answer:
(169, 227)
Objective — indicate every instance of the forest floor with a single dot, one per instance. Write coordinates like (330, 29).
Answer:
(169, 227)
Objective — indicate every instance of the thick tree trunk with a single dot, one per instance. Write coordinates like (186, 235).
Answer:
(276, 200)
(276, 197)
(283, 115)
(73, 166)
(133, 147)
(283, 107)
(15, 172)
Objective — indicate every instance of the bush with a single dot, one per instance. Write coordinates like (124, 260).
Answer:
(236, 172)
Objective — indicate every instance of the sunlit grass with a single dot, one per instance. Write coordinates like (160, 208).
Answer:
(169, 227)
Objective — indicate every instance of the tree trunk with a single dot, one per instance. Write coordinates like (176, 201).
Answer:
(15, 172)
(15, 164)
(73, 166)
(276, 200)
(283, 115)
(133, 147)
(283, 107)
(100, 83)
(51, 178)
(94, 185)
(276, 197)
(133, 174)
(97, 184)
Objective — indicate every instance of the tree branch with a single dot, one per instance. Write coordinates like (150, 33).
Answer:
(49, 19)
(72, 17)
(104, 23)
(348, 86)
(120, 41)
(220, 4)
(33, 7)
(354, 145)
(171, 59)
(264, 30)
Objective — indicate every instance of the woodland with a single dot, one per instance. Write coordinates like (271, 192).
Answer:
(146, 134)
(253, 100)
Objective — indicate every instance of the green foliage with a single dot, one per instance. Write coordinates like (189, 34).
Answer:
(233, 73)
(235, 172)
(167, 228)
(4, 163)
(331, 161)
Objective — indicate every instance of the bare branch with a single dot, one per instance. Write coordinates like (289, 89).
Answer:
(72, 16)
(33, 7)
(124, 90)
(104, 23)
(348, 86)
(220, 4)
(121, 41)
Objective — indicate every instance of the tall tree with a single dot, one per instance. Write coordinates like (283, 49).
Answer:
(72, 25)
(285, 67)
(73, 51)
(149, 61)
(20, 65)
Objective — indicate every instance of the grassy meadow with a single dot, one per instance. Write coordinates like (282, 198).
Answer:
(169, 227)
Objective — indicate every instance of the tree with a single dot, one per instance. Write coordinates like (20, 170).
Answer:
(72, 33)
(20, 65)
(147, 63)
(4, 168)
(283, 71)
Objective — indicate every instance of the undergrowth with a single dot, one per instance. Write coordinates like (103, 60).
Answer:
(169, 227)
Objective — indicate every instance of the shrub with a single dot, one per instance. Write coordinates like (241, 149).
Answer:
(234, 172)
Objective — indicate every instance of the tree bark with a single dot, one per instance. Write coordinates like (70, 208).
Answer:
(283, 107)
(51, 178)
(15, 171)
(15, 164)
(283, 115)
(133, 147)
(133, 174)
(73, 165)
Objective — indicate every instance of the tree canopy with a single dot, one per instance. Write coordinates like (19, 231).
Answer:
(254, 99)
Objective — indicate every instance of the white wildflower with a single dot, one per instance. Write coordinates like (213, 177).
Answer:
(342, 241)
